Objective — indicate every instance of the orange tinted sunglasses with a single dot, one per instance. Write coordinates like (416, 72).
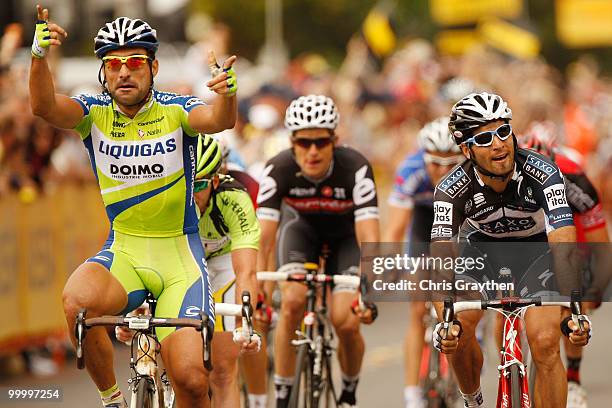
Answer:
(133, 62)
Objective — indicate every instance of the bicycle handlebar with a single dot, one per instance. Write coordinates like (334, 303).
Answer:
(350, 280)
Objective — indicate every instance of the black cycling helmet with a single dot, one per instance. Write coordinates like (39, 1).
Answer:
(125, 32)
(474, 110)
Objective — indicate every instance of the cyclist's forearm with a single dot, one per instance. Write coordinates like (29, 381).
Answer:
(42, 88)
(243, 261)
(224, 112)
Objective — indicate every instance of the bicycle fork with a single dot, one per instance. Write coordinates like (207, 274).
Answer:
(512, 355)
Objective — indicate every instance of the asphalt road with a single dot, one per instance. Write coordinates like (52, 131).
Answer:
(381, 381)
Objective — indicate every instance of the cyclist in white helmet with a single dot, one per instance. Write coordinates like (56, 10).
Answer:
(411, 204)
(317, 194)
(141, 144)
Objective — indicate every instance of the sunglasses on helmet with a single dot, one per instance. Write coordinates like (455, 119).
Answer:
(484, 139)
(319, 142)
(133, 62)
(442, 161)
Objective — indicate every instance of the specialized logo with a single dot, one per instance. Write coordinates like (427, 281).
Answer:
(507, 224)
(364, 189)
(267, 186)
(454, 183)
(479, 199)
(443, 213)
(136, 149)
(539, 169)
(555, 196)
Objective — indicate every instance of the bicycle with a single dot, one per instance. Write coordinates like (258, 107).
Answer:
(435, 375)
(149, 388)
(314, 343)
(513, 385)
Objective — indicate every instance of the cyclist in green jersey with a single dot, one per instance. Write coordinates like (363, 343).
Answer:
(230, 233)
(142, 147)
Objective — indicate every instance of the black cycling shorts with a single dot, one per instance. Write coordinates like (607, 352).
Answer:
(299, 241)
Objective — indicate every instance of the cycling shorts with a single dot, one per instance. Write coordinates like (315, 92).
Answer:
(173, 269)
(223, 286)
(299, 241)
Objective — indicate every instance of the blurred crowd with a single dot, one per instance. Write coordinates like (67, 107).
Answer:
(383, 104)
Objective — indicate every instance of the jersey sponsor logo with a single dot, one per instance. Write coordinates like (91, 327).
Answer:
(441, 232)
(327, 191)
(556, 218)
(137, 149)
(468, 206)
(443, 213)
(267, 186)
(239, 211)
(192, 311)
(192, 102)
(483, 211)
(555, 196)
(119, 124)
(340, 193)
(141, 133)
(320, 204)
(479, 199)
(302, 192)
(115, 133)
(136, 170)
(151, 122)
(454, 182)
(214, 245)
(507, 224)
(538, 169)
(364, 189)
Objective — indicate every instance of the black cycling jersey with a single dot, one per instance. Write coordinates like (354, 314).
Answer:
(533, 203)
(331, 205)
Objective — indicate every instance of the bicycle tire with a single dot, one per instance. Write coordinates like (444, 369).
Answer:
(144, 393)
(515, 381)
(432, 382)
(303, 379)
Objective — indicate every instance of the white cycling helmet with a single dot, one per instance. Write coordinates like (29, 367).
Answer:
(435, 137)
(125, 32)
(474, 110)
(311, 111)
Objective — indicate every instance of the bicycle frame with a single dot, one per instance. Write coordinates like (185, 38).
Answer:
(512, 308)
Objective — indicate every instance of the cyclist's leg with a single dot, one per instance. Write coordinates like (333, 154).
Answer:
(543, 335)
(344, 259)
(297, 243)
(106, 284)
(414, 340)
(186, 291)
(224, 377)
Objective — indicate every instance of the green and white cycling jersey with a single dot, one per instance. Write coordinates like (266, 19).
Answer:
(229, 221)
(145, 165)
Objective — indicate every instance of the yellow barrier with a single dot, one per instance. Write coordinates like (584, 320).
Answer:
(41, 243)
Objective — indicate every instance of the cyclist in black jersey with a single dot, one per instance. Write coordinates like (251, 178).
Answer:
(317, 194)
(503, 193)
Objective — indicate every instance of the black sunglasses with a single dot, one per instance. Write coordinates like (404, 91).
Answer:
(319, 142)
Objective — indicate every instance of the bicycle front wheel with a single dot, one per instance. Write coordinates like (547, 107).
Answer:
(302, 381)
(515, 381)
(144, 394)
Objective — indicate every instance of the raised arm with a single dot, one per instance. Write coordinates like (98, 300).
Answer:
(59, 110)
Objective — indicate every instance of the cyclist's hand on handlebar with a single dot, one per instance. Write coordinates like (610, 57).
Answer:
(576, 336)
(443, 343)
(247, 346)
(366, 311)
(124, 335)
